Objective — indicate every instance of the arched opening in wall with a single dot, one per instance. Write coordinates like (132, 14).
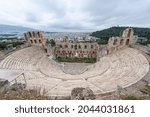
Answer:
(91, 46)
(79, 47)
(38, 34)
(33, 34)
(30, 34)
(129, 33)
(60, 46)
(46, 50)
(75, 47)
(121, 41)
(34, 41)
(40, 41)
(127, 42)
(85, 46)
(107, 52)
(115, 42)
(71, 46)
(31, 41)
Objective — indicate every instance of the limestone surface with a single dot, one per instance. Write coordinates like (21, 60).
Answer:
(32, 67)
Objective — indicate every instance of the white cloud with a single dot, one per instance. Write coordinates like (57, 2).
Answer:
(74, 15)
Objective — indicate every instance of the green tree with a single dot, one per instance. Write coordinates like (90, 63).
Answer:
(52, 42)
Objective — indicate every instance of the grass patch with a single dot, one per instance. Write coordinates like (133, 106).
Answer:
(76, 60)
(146, 90)
(131, 97)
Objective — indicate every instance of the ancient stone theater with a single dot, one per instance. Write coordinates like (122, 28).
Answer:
(117, 64)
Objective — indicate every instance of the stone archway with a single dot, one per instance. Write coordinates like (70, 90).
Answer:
(127, 42)
(115, 42)
(129, 33)
(121, 41)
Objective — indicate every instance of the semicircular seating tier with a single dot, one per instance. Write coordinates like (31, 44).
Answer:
(122, 68)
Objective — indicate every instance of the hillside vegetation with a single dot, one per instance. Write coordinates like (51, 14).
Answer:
(105, 34)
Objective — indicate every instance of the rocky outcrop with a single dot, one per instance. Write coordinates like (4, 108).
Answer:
(4, 85)
(80, 93)
(17, 87)
(17, 91)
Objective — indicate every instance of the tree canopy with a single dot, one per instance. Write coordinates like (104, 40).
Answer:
(105, 34)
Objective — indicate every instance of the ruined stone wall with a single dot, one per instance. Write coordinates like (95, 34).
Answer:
(68, 48)
(35, 38)
(72, 49)
(127, 38)
(102, 52)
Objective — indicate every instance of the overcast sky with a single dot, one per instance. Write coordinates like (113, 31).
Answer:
(75, 15)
